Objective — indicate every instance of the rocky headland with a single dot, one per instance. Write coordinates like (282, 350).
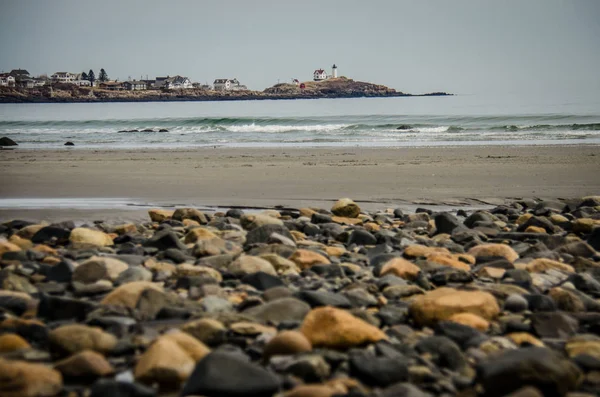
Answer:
(333, 88)
(306, 302)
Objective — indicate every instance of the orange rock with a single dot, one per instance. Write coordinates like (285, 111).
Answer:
(126, 228)
(165, 363)
(287, 343)
(199, 233)
(542, 264)
(338, 329)
(372, 227)
(127, 295)
(307, 212)
(502, 250)
(445, 260)
(335, 251)
(535, 229)
(6, 246)
(22, 379)
(469, 259)
(400, 267)
(491, 272)
(306, 259)
(442, 303)
(20, 242)
(85, 236)
(523, 218)
(12, 342)
(415, 251)
(85, 364)
(73, 338)
(160, 215)
(51, 260)
(342, 220)
(45, 249)
(192, 346)
(520, 338)
(190, 222)
(471, 320)
(29, 231)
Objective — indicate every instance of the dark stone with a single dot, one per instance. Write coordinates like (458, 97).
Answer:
(114, 324)
(520, 277)
(586, 283)
(278, 310)
(177, 255)
(538, 222)
(378, 371)
(540, 303)
(393, 314)
(6, 141)
(55, 308)
(163, 130)
(361, 237)
(404, 390)
(164, 240)
(317, 218)
(379, 260)
(262, 281)
(443, 351)
(324, 298)
(553, 375)
(69, 143)
(462, 335)
(594, 239)
(109, 387)
(577, 248)
(18, 224)
(223, 374)
(234, 213)
(263, 233)
(516, 303)
(554, 325)
(328, 271)
(398, 214)
(549, 240)
(15, 305)
(61, 272)
(404, 127)
(586, 362)
(445, 222)
(477, 217)
(50, 234)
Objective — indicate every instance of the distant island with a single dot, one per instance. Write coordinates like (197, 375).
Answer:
(338, 87)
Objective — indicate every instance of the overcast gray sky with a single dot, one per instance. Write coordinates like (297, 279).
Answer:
(460, 46)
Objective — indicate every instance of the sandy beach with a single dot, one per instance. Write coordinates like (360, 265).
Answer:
(298, 177)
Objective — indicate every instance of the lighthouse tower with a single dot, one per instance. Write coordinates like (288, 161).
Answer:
(334, 71)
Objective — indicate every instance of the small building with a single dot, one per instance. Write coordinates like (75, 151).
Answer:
(6, 80)
(178, 83)
(134, 85)
(19, 74)
(149, 83)
(26, 83)
(228, 85)
(63, 77)
(82, 83)
(111, 85)
(334, 71)
(320, 75)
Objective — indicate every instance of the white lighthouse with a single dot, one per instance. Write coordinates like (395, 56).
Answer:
(334, 71)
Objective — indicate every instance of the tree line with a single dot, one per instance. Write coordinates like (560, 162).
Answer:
(91, 76)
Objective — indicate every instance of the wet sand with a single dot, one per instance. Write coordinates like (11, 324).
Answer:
(298, 177)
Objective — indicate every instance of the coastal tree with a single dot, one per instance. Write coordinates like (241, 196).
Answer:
(91, 76)
(84, 76)
(103, 76)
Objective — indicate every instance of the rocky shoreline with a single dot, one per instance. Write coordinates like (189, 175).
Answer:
(331, 89)
(306, 302)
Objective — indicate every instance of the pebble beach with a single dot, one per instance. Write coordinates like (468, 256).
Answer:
(329, 301)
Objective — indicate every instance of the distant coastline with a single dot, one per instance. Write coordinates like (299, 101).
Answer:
(332, 88)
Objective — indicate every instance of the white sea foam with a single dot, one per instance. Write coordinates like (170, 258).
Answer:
(274, 129)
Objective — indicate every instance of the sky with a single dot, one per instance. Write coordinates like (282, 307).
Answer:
(459, 46)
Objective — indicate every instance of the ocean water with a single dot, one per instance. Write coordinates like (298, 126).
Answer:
(424, 121)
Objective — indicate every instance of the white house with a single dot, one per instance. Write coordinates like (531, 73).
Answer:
(63, 77)
(228, 85)
(6, 80)
(320, 75)
(178, 83)
(173, 83)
